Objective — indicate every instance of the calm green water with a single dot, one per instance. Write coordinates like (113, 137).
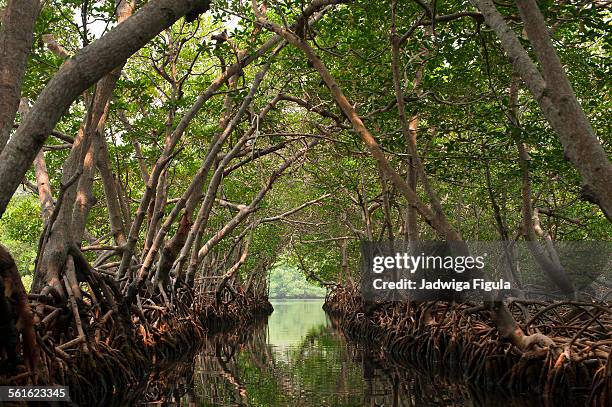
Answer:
(297, 359)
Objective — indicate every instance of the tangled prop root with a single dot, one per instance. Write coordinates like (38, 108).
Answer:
(461, 338)
(242, 308)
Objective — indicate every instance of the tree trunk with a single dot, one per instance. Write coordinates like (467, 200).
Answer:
(15, 321)
(16, 36)
(409, 128)
(553, 269)
(206, 207)
(43, 185)
(191, 195)
(85, 198)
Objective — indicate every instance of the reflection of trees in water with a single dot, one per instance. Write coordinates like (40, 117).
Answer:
(315, 372)
(168, 383)
(324, 369)
(218, 379)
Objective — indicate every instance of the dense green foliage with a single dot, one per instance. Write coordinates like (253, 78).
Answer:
(20, 228)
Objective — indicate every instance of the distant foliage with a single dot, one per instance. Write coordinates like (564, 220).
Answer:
(289, 282)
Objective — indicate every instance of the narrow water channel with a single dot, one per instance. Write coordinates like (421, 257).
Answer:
(298, 358)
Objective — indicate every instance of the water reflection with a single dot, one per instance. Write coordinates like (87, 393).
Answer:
(299, 359)
(293, 320)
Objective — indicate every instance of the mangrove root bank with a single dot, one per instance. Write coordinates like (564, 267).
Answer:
(459, 339)
(100, 350)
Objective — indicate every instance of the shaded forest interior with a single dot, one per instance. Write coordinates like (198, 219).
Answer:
(159, 158)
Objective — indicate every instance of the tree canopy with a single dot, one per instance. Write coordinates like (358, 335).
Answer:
(454, 76)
